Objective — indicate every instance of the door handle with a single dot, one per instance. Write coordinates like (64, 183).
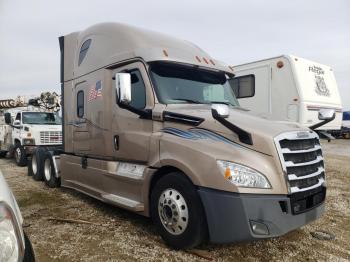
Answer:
(116, 142)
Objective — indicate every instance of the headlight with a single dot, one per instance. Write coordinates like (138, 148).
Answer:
(242, 176)
(28, 141)
(8, 239)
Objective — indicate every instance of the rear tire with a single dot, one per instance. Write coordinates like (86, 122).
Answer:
(49, 172)
(35, 167)
(3, 154)
(177, 212)
(20, 155)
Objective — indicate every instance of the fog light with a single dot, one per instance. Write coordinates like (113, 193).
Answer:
(28, 141)
(259, 228)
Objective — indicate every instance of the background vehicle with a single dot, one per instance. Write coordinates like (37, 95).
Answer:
(289, 88)
(344, 132)
(152, 125)
(27, 125)
(14, 243)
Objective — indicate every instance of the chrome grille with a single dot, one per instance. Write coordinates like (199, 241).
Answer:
(302, 161)
(50, 137)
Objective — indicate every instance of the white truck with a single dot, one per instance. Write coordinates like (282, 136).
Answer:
(289, 88)
(27, 125)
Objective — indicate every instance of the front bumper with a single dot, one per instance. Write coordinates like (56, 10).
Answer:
(230, 216)
(30, 148)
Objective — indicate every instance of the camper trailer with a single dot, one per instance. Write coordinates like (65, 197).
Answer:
(151, 124)
(289, 88)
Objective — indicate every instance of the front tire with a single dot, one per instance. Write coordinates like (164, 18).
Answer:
(29, 252)
(177, 211)
(49, 172)
(20, 155)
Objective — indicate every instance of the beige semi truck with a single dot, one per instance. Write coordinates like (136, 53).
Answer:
(151, 124)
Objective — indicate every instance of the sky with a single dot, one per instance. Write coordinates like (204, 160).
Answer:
(235, 32)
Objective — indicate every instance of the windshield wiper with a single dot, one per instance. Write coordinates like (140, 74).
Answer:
(188, 100)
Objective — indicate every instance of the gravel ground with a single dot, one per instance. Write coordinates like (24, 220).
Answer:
(117, 235)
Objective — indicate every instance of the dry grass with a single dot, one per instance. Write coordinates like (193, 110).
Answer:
(125, 236)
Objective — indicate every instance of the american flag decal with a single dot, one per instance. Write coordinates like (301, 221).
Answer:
(95, 91)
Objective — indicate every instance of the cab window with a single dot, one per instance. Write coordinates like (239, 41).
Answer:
(83, 51)
(18, 117)
(80, 104)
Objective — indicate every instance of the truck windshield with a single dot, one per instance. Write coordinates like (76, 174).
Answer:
(177, 84)
(41, 118)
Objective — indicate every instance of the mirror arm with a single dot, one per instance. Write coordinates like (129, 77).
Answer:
(243, 135)
(143, 113)
(313, 127)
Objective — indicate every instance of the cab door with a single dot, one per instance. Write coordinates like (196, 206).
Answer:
(131, 133)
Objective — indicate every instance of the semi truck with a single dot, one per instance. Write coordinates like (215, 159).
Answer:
(25, 125)
(151, 124)
(289, 88)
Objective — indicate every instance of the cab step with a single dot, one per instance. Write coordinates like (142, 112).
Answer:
(124, 202)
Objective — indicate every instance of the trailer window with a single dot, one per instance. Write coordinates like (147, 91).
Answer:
(83, 50)
(80, 104)
(243, 86)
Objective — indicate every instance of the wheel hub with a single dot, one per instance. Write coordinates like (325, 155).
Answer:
(173, 211)
(34, 164)
(18, 154)
(47, 169)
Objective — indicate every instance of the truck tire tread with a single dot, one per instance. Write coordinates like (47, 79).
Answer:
(196, 231)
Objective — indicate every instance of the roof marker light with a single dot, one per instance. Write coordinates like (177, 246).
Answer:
(280, 64)
(198, 59)
(205, 60)
(212, 62)
(231, 67)
(165, 53)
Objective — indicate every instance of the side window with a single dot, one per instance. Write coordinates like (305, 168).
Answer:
(83, 50)
(138, 90)
(18, 116)
(243, 86)
(80, 104)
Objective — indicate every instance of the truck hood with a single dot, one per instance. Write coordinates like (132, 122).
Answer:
(261, 127)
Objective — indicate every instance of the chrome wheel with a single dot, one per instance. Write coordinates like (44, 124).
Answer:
(47, 169)
(173, 211)
(34, 164)
(18, 154)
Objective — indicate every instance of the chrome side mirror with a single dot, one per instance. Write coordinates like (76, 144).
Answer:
(222, 110)
(123, 87)
(325, 114)
(16, 123)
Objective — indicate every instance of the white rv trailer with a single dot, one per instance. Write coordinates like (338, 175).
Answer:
(289, 88)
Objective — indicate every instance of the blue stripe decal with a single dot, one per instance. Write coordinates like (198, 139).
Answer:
(198, 133)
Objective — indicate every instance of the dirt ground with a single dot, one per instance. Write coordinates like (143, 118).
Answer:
(117, 235)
